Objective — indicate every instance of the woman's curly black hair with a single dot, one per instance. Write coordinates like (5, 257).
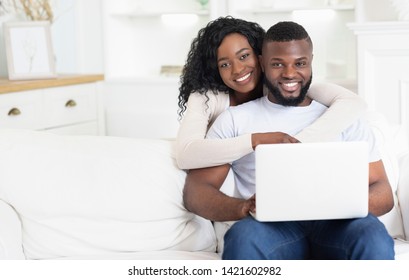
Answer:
(200, 73)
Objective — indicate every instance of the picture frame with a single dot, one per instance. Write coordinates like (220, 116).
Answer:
(29, 50)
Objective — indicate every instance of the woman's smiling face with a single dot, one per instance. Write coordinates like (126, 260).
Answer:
(238, 64)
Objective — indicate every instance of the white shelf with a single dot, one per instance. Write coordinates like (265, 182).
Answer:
(386, 27)
(291, 9)
(148, 14)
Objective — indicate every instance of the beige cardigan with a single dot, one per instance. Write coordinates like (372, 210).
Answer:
(194, 151)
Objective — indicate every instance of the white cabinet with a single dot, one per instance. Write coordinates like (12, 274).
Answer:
(70, 105)
(383, 78)
(22, 110)
(65, 109)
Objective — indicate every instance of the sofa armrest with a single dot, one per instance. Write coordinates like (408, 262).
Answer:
(11, 247)
(403, 191)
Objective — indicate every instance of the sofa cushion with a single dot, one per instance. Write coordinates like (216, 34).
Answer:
(386, 145)
(91, 195)
(10, 234)
(403, 193)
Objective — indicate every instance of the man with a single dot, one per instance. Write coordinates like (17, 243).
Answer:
(286, 63)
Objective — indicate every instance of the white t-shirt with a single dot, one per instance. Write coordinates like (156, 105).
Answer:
(261, 115)
(194, 151)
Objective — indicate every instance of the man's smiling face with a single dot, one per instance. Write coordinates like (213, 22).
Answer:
(287, 71)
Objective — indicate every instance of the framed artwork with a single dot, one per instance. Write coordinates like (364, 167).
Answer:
(29, 50)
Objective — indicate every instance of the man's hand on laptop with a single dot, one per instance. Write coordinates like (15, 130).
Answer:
(271, 138)
(249, 206)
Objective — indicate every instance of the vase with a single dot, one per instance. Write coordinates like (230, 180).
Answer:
(203, 3)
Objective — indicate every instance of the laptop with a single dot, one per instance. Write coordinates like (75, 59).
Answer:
(311, 181)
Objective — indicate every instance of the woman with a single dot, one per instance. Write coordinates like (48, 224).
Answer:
(216, 77)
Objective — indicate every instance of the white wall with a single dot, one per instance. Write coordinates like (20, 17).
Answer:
(142, 108)
(64, 37)
(77, 36)
(137, 43)
(79, 46)
(375, 10)
(93, 37)
(3, 60)
(334, 43)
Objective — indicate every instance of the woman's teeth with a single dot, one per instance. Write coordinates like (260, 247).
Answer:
(243, 78)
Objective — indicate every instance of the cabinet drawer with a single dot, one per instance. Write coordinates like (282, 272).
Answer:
(69, 105)
(21, 110)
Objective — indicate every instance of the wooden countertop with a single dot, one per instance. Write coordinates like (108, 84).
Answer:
(7, 86)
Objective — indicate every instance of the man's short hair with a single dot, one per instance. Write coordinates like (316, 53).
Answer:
(285, 31)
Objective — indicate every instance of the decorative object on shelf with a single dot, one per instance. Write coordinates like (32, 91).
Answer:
(29, 50)
(35, 10)
(266, 4)
(402, 8)
(3, 9)
(203, 3)
(171, 70)
(339, 2)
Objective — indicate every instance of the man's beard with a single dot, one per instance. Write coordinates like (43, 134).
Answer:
(291, 101)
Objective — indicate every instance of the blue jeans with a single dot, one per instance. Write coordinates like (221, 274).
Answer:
(349, 239)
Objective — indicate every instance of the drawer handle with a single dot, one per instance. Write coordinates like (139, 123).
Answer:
(14, 112)
(70, 103)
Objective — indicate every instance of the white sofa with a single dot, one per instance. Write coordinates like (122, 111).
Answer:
(90, 197)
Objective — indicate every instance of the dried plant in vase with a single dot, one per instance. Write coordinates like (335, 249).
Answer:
(3, 9)
(33, 9)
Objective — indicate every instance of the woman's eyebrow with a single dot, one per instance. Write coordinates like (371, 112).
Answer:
(238, 52)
